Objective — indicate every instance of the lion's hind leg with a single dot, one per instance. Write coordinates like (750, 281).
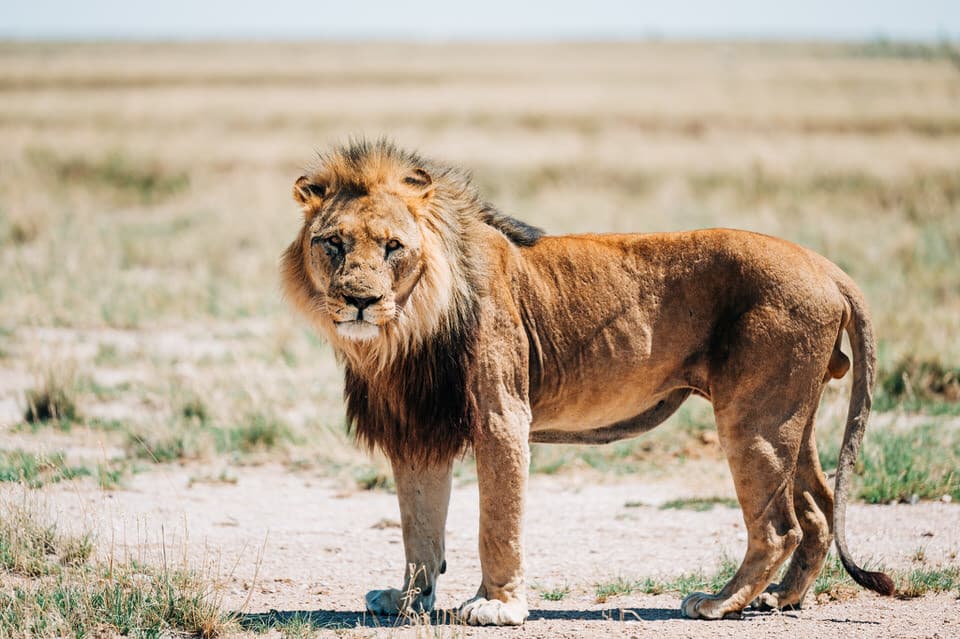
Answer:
(813, 504)
(766, 496)
(761, 432)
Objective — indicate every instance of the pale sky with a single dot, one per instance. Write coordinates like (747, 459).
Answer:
(480, 19)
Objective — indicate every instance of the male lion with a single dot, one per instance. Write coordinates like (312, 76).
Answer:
(459, 326)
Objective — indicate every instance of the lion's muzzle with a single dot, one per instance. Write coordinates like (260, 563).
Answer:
(361, 303)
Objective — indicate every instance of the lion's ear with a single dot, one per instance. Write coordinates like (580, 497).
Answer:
(420, 182)
(306, 192)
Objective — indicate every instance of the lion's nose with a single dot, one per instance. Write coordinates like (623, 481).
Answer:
(361, 302)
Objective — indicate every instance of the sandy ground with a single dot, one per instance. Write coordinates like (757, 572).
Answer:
(296, 543)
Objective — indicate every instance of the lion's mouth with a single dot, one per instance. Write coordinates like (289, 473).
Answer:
(357, 330)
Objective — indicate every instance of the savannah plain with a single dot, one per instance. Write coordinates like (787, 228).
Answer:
(173, 454)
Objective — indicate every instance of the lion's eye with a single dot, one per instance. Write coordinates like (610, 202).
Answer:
(393, 245)
(331, 244)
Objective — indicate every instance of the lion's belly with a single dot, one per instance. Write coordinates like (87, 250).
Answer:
(579, 419)
(592, 406)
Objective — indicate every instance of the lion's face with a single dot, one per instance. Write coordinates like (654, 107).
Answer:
(363, 255)
(378, 265)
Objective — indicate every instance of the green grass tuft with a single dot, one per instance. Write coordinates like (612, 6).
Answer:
(192, 435)
(697, 581)
(919, 582)
(36, 470)
(55, 399)
(919, 386)
(614, 588)
(372, 478)
(258, 432)
(194, 408)
(921, 462)
(164, 446)
(297, 626)
(700, 504)
(555, 594)
(110, 476)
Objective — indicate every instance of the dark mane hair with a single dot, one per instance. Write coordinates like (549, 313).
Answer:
(517, 231)
(421, 408)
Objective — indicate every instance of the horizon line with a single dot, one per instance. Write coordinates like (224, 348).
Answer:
(744, 37)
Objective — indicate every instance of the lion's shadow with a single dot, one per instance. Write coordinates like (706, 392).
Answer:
(345, 619)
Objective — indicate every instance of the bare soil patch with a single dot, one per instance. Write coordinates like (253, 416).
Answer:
(283, 543)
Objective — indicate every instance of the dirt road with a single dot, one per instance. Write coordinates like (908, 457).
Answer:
(292, 542)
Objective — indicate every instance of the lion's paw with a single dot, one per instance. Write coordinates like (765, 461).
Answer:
(700, 605)
(395, 602)
(775, 599)
(480, 611)
(384, 602)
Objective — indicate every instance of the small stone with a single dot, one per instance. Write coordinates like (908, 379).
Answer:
(946, 499)
(914, 499)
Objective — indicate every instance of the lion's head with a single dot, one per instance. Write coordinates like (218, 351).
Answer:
(383, 260)
(362, 249)
(389, 265)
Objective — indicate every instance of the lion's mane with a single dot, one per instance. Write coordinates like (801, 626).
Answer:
(409, 393)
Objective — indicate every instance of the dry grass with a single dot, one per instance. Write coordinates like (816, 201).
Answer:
(52, 586)
(143, 207)
(54, 398)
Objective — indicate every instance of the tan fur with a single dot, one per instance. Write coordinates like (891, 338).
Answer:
(579, 338)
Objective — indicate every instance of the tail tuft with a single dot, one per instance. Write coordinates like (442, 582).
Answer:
(875, 581)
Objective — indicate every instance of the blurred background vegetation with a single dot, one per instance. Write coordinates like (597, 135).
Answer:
(144, 204)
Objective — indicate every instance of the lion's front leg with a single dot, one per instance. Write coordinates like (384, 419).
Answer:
(503, 460)
(423, 491)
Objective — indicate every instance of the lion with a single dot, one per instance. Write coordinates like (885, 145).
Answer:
(458, 326)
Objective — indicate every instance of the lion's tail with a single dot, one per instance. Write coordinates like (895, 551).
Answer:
(860, 331)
